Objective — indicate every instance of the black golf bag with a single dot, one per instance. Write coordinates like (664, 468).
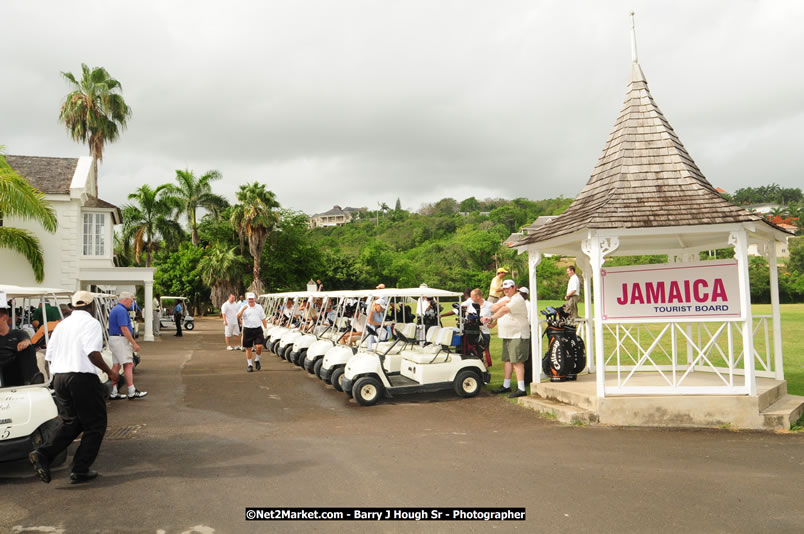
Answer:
(473, 341)
(566, 353)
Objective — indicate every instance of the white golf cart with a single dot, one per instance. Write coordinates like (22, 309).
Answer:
(371, 374)
(337, 325)
(166, 320)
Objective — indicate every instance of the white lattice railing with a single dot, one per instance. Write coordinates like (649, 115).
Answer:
(672, 354)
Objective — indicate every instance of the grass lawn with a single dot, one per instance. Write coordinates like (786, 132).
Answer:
(792, 343)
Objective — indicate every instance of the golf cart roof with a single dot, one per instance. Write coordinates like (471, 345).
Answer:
(20, 291)
(415, 292)
(174, 298)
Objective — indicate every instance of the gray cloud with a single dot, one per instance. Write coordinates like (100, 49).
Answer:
(357, 102)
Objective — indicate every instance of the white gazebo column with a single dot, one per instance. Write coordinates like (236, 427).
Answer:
(740, 241)
(596, 248)
(586, 267)
(534, 259)
(148, 307)
(778, 363)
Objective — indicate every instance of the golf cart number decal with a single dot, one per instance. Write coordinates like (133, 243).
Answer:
(6, 432)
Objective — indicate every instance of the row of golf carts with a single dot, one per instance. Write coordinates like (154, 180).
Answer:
(28, 413)
(331, 335)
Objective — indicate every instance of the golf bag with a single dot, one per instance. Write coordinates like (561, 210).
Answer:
(566, 353)
(474, 342)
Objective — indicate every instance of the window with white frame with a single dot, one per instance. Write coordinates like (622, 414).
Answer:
(94, 234)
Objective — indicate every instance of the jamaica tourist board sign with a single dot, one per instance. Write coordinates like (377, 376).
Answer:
(674, 291)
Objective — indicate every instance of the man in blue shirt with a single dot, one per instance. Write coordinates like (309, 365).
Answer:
(123, 346)
(177, 311)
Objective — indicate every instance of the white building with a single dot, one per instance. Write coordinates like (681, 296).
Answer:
(80, 254)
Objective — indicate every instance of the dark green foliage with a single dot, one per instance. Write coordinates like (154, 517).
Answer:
(177, 274)
(767, 193)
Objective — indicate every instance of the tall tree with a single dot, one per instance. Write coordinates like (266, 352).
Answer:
(94, 111)
(222, 270)
(20, 199)
(194, 193)
(148, 219)
(254, 217)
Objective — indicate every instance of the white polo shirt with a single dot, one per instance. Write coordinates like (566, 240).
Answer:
(485, 311)
(229, 310)
(71, 343)
(514, 324)
(575, 284)
(253, 316)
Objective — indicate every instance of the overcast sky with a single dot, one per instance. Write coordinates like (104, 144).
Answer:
(359, 102)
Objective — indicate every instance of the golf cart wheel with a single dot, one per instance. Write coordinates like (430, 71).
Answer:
(275, 348)
(300, 358)
(189, 326)
(337, 378)
(279, 351)
(467, 383)
(367, 391)
(317, 367)
(289, 352)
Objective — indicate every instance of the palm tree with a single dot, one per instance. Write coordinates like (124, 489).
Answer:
(254, 218)
(94, 111)
(222, 270)
(20, 199)
(194, 193)
(149, 219)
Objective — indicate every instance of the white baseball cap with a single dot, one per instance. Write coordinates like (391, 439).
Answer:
(508, 283)
(250, 296)
(524, 290)
(82, 298)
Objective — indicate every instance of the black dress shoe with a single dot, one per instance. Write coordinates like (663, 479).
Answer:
(501, 389)
(40, 464)
(518, 393)
(77, 478)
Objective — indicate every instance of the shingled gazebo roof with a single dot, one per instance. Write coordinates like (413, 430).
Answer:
(644, 179)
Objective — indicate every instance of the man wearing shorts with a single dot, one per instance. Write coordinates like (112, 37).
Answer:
(511, 313)
(231, 328)
(253, 322)
(123, 346)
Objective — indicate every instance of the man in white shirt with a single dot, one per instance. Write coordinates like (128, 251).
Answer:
(511, 313)
(573, 293)
(231, 328)
(253, 322)
(474, 303)
(74, 351)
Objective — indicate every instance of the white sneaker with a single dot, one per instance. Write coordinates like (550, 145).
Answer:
(229, 347)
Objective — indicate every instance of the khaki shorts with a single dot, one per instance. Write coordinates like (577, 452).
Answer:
(231, 330)
(122, 351)
(515, 350)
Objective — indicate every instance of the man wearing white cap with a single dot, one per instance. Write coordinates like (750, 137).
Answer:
(375, 321)
(74, 351)
(253, 322)
(511, 311)
(123, 346)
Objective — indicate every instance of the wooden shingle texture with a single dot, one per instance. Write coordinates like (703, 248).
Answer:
(645, 178)
(48, 175)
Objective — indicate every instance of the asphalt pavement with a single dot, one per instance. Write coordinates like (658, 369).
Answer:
(211, 439)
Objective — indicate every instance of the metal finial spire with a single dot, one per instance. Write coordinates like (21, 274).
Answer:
(633, 40)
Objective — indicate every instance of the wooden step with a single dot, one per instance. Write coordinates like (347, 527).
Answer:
(784, 413)
(562, 412)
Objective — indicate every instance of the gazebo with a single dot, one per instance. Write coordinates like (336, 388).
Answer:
(666, 343)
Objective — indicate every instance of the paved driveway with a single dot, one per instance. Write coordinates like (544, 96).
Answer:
(211, 439)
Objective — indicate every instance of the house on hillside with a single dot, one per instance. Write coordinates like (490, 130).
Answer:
(80, 254)
(337, 216)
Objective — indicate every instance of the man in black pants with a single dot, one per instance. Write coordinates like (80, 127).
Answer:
(73, 353)
(17, 355)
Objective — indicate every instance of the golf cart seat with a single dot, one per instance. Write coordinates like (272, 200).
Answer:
(405, 334)
(427, 353)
